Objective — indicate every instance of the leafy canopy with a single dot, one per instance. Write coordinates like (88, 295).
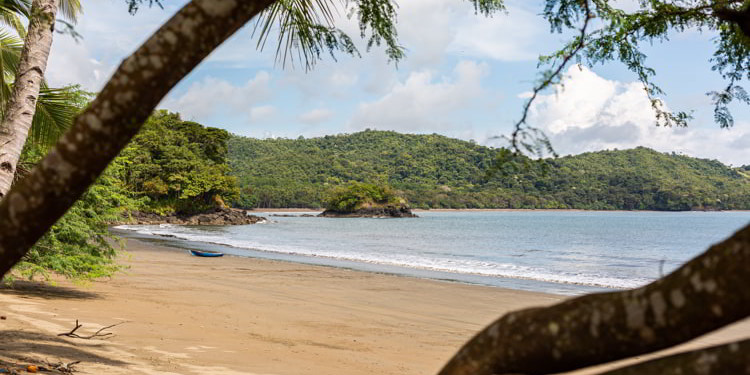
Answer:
(79, 245)
(358, 195)
(177, 166)
(604, 32)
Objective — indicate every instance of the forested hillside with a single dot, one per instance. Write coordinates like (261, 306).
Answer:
(434, 171)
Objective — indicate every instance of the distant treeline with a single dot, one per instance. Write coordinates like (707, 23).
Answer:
(434, 171)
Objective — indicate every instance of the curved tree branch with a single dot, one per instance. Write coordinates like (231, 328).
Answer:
(732, 358)
(521, 130)
(115, 116)
(706, 293)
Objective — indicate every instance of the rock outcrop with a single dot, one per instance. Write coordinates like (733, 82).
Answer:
(220, 216)
(385, 211)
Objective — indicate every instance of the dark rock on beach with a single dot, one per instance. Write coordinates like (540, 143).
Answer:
(220, 216)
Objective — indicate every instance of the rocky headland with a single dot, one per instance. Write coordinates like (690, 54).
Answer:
(220, 216)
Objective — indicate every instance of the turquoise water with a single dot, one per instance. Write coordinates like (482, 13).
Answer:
(565, 252)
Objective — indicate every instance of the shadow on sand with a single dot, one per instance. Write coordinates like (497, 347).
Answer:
(46, 291)
(17, 345)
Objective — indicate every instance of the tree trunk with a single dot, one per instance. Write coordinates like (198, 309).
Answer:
(22, 104)
(98, 134)
(705, 294)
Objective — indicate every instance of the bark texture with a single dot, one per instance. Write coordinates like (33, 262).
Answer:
(726, 359)
(706, 293)
(22, 103)
(113, 118)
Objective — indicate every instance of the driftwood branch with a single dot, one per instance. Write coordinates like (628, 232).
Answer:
(707, 293)
(733, 358)
(65, 368)
(98, 134)
(98, 333)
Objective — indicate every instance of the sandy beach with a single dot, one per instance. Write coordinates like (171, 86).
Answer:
(231, 315)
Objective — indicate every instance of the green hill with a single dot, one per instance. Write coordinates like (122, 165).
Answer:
(434, 171)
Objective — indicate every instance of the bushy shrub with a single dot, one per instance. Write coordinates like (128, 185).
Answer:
(357, 195)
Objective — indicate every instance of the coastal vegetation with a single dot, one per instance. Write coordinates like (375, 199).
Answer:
(171, 167)
(357, 195)
(435, 171)
(177, 167)
(365, 199)
(637, 318)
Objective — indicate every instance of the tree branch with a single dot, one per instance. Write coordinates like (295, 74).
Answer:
(521, 128)
(739, 17)
(113, 118)
(732, 358)
(706, 293)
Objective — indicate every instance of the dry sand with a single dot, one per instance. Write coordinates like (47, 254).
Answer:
(230, 315)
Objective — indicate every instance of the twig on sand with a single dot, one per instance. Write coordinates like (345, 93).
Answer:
(98, 333)
(65, 368)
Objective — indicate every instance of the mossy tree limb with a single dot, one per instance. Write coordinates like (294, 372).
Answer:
(115, 116)
(729, 358)
(705, 294)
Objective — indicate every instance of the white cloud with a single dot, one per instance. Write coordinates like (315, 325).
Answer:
(316, 116)
(212, 96)
(590, 113)
(262, 113)
(109, 34)
(424, 101)
(75, 65)
(502, 37)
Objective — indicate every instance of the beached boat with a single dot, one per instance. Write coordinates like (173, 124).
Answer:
(206, 253)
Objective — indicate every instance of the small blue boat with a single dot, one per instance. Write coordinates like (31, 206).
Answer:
(211, 254)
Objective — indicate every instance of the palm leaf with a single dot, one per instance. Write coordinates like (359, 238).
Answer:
(70, 9)
(11, 12)
(17, 7)
(54, 114)
(10, 52)
(55, 107)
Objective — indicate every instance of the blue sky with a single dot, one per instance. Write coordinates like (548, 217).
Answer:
(464, 76)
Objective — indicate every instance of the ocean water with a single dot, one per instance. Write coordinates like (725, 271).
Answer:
(563, 252)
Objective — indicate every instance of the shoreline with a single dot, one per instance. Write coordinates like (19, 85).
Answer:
(234, 315)
(516, 283)
(309, 210)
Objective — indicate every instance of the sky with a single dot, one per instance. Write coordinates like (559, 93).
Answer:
(464, 76)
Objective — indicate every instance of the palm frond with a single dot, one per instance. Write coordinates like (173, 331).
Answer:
(18, 7)
(10, 53)
(54, 114)
(296, 22)
(70, 9)
(305, 28)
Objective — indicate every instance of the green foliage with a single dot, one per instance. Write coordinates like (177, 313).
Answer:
(171, 166)
(434, 171)
(357, 195)
(178, 166)
(604, 33)
(79, 245)
(55, 108)
(306, 28)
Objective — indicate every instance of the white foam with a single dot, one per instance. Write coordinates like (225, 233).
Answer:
(420, 261)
